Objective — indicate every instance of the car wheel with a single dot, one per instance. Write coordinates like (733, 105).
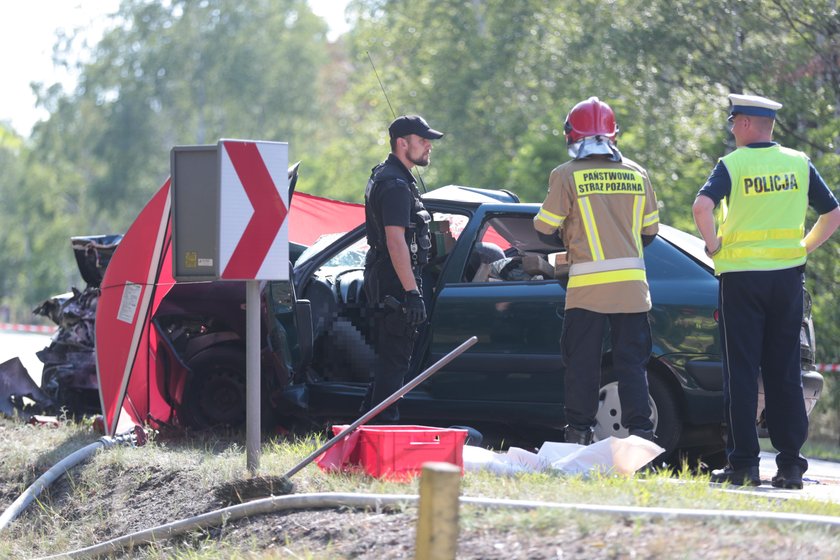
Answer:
(214, 394)
(663, 405)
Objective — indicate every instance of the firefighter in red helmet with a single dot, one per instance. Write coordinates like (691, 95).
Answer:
(590, 129)
(601, 208)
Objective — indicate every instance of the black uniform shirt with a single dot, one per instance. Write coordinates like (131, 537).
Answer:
(391, 202)
(396, 202)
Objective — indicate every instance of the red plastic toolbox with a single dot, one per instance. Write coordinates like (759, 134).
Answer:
(398, 452)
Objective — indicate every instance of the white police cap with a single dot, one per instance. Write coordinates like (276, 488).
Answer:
(753, 105)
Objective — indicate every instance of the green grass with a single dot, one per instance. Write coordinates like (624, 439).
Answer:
(101, 493)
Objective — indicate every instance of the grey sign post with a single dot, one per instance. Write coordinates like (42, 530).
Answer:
(229, 207)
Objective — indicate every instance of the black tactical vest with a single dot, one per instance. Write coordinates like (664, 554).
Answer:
(417, 235)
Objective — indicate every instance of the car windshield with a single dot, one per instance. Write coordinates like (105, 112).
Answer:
(319, 245)
(352, 256)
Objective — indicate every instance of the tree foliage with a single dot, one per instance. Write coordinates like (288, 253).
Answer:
(182, 73)
(498, 77)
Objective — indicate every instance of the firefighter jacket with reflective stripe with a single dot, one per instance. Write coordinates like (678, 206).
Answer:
(763, 220)
(602, 208)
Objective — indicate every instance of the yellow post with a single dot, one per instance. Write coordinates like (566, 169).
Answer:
(437, 520)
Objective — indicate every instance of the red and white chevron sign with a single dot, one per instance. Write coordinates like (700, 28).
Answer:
(254, 202)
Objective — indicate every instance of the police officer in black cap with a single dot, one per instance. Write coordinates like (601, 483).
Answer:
(398, 234)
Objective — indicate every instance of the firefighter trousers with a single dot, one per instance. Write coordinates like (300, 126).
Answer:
(581, 349)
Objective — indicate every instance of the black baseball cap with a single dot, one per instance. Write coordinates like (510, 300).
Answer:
(412, 124)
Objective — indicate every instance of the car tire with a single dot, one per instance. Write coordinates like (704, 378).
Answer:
(214, 394)
(664, 411)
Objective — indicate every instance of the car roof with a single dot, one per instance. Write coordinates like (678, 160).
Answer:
(471, 195)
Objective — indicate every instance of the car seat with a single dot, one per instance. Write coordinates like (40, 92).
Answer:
(478, 265)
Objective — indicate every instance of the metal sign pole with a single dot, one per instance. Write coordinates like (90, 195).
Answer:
(252, 374)
(240, 234)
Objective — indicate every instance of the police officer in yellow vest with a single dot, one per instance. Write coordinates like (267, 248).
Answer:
(759, 251)
(604, 207)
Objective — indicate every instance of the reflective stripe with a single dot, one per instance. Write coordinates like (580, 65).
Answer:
(550, 218)
(651, 219)
(607, 277)
(607, 265)
(764, 235)
(638, 211)
(591, 229)
(763, 253)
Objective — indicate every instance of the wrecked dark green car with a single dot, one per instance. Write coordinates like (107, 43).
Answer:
(491, 277)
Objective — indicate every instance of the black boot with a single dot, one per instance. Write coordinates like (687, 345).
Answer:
(581, 437)
(743, 476)
(789, 477)
(474, 437)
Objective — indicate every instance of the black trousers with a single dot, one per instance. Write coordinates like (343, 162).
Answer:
(393, 341)
(580, 344)
(760, 321)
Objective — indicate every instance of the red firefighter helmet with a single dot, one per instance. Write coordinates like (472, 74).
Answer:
(588, 118)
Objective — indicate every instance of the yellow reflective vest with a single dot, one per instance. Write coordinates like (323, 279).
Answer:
(763, 221)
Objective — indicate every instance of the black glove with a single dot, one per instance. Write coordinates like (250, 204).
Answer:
(552, 239)
(415, 310)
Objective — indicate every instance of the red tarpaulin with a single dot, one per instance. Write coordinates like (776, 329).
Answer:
(124, 307)
(313, 216)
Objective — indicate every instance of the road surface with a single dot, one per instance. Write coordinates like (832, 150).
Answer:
(24, 345)
(822, 481)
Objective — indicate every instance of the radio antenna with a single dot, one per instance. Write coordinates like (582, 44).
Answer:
(391, 107)
(381, 85)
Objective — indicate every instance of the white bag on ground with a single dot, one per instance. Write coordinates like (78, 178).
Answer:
(611, 455)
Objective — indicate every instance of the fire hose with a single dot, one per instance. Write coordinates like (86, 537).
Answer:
(378, 502)
(56, 472)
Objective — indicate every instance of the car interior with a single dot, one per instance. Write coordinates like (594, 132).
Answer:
(508, 249)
